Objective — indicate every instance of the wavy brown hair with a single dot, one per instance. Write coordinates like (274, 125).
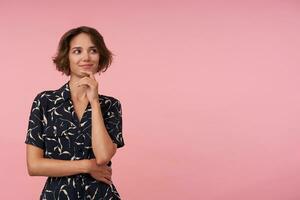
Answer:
(61, 60)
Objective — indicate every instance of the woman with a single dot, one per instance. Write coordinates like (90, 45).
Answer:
(74, 132)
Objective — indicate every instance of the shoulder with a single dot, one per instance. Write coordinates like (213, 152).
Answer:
(45, 97)
(47, 94)
(41, 96)
(106, 98)
(109, 101)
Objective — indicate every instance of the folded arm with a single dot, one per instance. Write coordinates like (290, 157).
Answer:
(37, 165)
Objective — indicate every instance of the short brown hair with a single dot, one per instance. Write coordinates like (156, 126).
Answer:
(61, 60)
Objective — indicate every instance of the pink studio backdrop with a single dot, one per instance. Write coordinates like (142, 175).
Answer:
(209, 91)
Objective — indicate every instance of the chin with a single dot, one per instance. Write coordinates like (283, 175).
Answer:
(84, 72)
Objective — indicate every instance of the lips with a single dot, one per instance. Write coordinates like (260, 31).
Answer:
(86, 66)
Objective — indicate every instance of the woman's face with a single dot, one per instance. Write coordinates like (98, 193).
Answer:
(83, 55)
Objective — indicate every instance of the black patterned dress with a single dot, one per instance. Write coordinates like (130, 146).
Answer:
(55, 128)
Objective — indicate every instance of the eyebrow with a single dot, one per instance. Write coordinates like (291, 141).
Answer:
(78, 47)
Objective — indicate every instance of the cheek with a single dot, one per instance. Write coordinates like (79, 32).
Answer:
(96, 58)
(73, 59)
(72, 63)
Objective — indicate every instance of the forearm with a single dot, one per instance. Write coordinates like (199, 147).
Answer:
(56, 168)
(102, 145)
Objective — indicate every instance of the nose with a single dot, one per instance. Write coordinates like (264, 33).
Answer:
(85, 56)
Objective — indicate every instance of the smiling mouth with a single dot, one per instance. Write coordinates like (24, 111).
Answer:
(86, 66)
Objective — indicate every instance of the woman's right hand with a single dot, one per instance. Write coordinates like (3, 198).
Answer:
(99, 172)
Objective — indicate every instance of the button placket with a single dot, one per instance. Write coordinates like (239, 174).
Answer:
(78, 185)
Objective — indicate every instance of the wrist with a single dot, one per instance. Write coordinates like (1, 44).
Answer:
(95, 103)
(85, 166)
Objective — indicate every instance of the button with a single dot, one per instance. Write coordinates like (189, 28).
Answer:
(79, 131)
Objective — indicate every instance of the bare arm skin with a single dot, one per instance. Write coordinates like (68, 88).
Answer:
(103, 147)
(37, 165)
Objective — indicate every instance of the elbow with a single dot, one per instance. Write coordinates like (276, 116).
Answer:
(102, 161)
(105, 158)
(32, 169)
(31, 173)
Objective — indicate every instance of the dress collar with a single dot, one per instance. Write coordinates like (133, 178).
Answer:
(64, 92)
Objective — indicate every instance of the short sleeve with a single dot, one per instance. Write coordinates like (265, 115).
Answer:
(113, 123)
(35, 124)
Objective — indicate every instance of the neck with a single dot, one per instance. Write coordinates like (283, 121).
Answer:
(79, 93)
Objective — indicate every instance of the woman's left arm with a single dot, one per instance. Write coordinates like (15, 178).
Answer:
(103, 147)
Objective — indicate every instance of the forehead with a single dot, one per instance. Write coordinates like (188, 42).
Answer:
(81, 39)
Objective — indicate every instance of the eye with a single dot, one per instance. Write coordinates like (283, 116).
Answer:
(94, 50)
(77, 51)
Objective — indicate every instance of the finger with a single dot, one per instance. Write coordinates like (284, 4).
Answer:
(108, 177)
(108, 169)
(92, 76)
(106, 181)
(88, 81)
(84, 81)
(107, 173)
(86, 73)
(102, 179)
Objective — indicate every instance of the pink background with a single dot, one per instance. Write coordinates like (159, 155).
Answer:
(209, 91)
